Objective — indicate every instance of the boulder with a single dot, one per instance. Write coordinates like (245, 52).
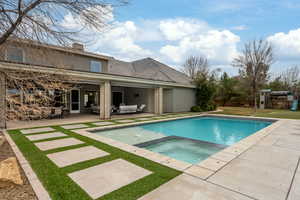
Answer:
(10, 172)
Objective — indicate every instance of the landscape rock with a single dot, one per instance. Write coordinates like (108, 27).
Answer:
(10, 172)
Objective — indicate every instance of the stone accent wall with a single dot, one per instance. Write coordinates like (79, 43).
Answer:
(2, 100)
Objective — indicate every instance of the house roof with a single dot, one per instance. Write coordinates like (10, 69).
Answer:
(60, 48)
(148, 68)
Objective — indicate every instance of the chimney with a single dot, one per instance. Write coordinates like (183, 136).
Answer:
(78, 46)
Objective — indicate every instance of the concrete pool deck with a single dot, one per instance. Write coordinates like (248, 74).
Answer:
(268, 170)
(262, 166)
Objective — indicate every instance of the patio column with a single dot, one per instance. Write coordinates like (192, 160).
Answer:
(2, 100)
(105, 100)
(158, 101)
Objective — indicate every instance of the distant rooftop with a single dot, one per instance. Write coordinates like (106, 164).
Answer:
(148, 68)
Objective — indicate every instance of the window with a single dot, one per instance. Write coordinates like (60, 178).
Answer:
(96, 66)
(15, 54)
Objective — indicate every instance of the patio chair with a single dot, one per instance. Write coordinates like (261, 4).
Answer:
(56, 112)
(95, 109)
(46, 112)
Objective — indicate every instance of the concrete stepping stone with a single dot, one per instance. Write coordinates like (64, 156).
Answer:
(74, 126)
(105, 178)
(69, 157)
(103, 123)
(37, 130)
(53, 144)
(45, 136)
(125, 120)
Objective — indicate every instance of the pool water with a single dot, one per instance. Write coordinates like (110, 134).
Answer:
(226, 131)
(212, 130)
(185, 150)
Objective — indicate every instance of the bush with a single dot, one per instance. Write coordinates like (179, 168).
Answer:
(210, 106)
(204, 107)
(196, 109)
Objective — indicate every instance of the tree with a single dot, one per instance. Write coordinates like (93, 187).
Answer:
(287, 80)
(276, 84)
(31, 22)
(290, 77)
(254, 64)
(227, 88)
(33, 92)
(195, 65)
(40, 19)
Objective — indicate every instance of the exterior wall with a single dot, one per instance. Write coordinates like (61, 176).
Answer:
(60, 59)
(183, 99)
(168, 100)
(140, 96)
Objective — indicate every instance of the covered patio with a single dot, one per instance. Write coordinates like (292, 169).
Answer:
(111, 98)
(103, 91)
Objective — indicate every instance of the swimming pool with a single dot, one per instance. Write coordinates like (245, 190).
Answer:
(213, 132)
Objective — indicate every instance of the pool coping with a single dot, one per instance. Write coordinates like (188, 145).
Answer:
(203, 169)
(163, 139)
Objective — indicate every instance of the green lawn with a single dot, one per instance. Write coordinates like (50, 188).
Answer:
(61, 187)
(273, 113)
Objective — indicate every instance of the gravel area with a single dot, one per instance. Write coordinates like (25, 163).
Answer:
(12, 191)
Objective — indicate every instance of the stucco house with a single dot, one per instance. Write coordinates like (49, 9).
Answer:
(102, 80)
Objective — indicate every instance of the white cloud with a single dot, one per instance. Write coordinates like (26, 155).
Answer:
(117, 39)
(286, 45)
(77, 22)
(175, 29)
(218, 46)
(169, 40)
(120, 41)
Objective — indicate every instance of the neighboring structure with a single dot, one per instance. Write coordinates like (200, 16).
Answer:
(275, 99)
(103, 80)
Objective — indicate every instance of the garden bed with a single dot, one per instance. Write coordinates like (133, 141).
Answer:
(10, 191)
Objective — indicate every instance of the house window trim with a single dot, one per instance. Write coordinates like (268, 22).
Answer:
(23, 54)
(100, 66)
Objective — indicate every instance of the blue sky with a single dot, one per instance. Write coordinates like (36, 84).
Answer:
(171, 30)
(261, 17)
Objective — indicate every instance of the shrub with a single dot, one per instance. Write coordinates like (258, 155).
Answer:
(205, 92)
(196, 109)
